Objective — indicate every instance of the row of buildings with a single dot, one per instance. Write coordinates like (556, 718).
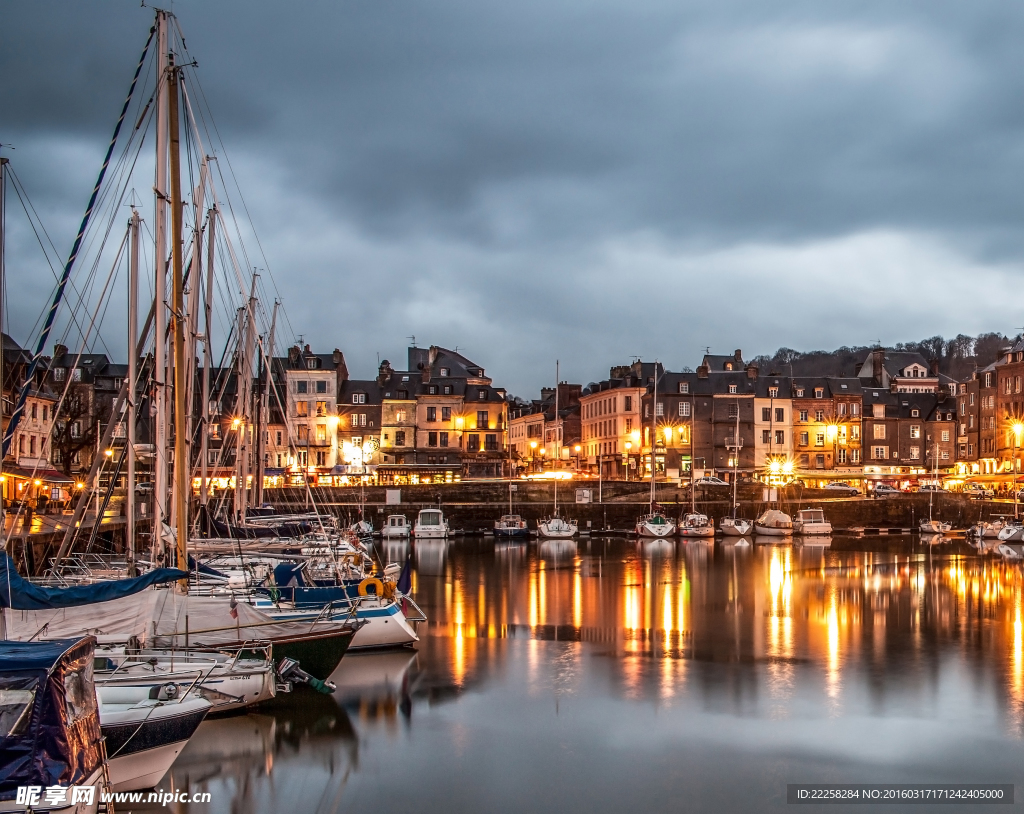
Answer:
(441, 419)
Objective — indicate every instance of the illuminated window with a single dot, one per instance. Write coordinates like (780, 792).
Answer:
(302, 408)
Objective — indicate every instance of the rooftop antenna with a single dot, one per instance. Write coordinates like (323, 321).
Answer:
(707, 349)
(412, 339)
(300, 339)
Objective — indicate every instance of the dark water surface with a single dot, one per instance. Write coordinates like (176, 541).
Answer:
(612, 675)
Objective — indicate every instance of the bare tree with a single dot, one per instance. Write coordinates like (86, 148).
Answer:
(74, 428)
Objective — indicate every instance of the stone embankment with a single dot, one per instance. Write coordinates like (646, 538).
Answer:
(476, 505)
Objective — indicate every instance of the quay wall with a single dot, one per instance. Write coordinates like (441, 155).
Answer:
(475, 506)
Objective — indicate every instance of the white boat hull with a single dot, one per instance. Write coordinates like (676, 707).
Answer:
(772, 531)
(699, 531)
(934, 527)
(143, 770)
(1011, 534)
(430, 532)
(395, 533)
(655, 529)
(812, 529)
(736, 528)
(552, 531)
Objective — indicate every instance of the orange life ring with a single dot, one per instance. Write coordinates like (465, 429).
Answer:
(366, 583)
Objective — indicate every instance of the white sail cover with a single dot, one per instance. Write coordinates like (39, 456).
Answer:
(157, 618)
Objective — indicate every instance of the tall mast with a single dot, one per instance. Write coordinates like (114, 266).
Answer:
(238, 421)
(182, 487)
(3, 288)
(204, 442)
(133, 341)
(264, 416)
(192, 331)
(736, 457)
(654, 427)
(558, 432)
(160, 287)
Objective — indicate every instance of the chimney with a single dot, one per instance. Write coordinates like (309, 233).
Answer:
(60, 350)
(738, 356)
(877, 365)
(384, 372)
(306, 350)
(934, 365)
(293, 354)
(752, 371)
(341, 369)
(702, 371)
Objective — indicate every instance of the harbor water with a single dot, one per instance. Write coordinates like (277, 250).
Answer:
(610, 674)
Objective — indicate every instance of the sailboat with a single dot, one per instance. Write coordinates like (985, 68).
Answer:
(163, 615)
(655, 523)
(932, 526)
(510, 525)
(557, 527)
(734, 526)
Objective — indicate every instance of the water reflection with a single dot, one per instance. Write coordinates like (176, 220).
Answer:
(846, 651)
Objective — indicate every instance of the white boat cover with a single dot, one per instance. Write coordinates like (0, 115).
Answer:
(774, 519)
(157, 619)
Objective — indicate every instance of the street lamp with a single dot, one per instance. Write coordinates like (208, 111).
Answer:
(832, 433)
(629, 446)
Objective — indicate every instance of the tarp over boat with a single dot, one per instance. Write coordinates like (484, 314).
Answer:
(49, 722)
(18, 593)
(160, 619)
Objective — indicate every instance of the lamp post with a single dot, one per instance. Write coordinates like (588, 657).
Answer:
(629, 446)
(533, 455)
(577, 450)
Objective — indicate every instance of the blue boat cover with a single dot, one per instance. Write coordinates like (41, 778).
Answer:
(49, 720)
(18, 593)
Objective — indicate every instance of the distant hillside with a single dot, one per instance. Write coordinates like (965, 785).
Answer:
(957, 357)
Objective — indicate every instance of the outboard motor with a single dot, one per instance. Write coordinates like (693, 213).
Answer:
(288, 671)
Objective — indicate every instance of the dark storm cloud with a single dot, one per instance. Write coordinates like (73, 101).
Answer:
(585, 180)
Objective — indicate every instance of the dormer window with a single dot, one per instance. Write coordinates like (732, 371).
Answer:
(432, 390)
(405, 378)
(444, 371)
(800, 392)
(915, 413)
(447, 390)
(311, 363)
(773, 392)
(732, 388)
(684, 387)
(819, 392)
(481, 395)
(359, 398)
(728, 365)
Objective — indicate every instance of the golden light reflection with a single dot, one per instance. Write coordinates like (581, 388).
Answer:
(577, 597)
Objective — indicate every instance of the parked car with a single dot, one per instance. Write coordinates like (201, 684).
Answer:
(708, 480)
(844, 488)
(978, 490)
(931, 487)
(886, 489)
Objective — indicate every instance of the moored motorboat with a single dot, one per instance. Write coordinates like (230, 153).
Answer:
(810, 522)
(395, 527)
(774, 523)
(430, 524)
(696, 525)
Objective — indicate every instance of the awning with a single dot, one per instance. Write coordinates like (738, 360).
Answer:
(46, 475)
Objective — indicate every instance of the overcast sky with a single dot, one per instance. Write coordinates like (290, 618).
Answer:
(588, 181)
